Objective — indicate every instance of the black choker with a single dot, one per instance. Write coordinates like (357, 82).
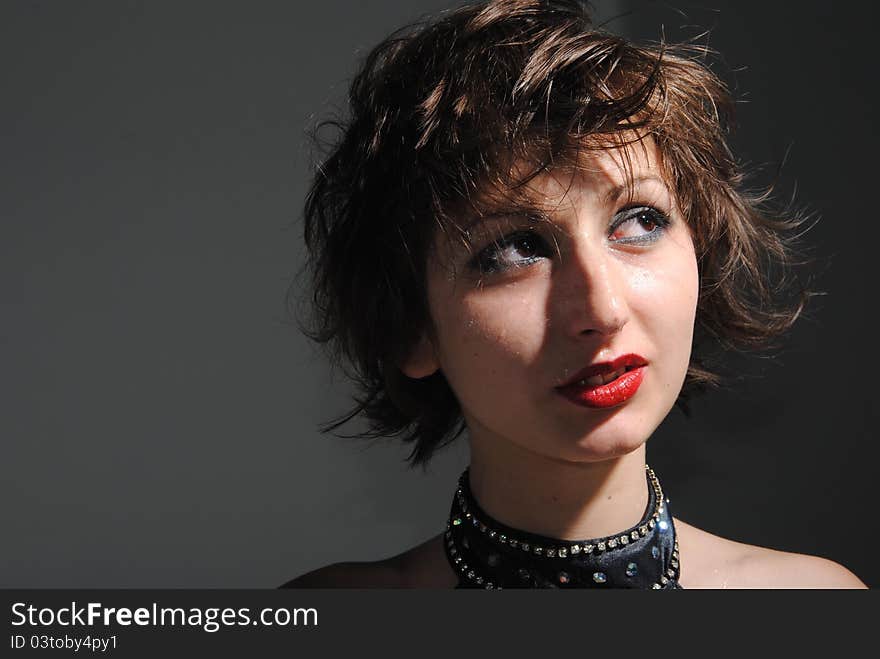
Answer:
(487, 554)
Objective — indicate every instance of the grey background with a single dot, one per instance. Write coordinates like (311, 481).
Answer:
(159, 409)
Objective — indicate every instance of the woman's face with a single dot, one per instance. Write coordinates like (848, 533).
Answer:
(533, 303)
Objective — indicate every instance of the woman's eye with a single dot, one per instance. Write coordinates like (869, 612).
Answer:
(513, 251)
(642, 224)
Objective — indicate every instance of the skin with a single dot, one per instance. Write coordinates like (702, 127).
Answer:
(505, 340)
(608, 269)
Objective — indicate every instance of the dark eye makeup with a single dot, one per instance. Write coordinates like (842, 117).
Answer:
(653, 221)
(518, 249)
(644, 225)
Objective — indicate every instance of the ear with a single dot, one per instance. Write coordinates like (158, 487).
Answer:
(422, 360)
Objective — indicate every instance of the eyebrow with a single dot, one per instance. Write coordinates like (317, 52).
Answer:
(614, 193)
(533, 213)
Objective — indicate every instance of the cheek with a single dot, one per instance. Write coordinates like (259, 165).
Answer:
(665, 298)
(491, 331)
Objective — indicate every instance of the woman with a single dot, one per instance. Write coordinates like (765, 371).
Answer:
(532, 230)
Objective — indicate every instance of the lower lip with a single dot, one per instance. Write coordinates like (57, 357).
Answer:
(611, 394)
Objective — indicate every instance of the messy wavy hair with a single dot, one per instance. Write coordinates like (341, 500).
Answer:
(440, 110)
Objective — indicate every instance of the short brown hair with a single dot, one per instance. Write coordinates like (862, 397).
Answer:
(436, 113)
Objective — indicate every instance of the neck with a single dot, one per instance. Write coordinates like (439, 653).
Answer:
(559, 499)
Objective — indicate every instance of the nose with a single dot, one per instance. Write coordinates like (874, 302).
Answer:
(592, 292)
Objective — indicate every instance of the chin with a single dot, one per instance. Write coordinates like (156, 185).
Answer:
(610, 440)
(598, 451)
(596, 447)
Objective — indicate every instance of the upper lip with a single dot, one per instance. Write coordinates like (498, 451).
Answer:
(630, 359)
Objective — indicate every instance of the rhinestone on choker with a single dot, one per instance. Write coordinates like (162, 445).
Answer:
(487, 554)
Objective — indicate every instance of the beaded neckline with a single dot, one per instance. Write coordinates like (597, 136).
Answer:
(488, 554)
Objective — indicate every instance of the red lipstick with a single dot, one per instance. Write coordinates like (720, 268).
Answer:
(607, 384)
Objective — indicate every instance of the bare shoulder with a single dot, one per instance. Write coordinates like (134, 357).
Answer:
(709, 561)
(423, 566)
(778, 569)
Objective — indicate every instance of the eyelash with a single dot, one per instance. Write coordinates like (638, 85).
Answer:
(488, 260)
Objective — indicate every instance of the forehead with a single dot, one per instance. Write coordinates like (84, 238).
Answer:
(607, 170)
(612, 173)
